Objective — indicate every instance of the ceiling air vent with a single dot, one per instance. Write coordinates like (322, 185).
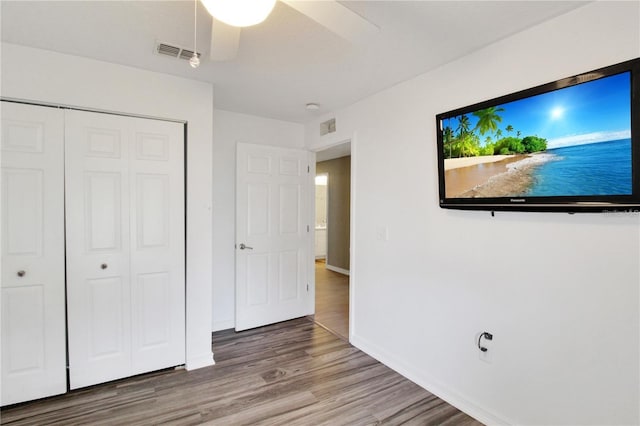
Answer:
(187, 54)
(174, 51)
(166, 49)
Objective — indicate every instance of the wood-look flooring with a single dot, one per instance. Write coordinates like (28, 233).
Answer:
(332, 300)
(291, 373)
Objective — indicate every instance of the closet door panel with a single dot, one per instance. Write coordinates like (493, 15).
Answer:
(125, 235)
(23, 218)
(23, 319)
(32, 288)
(98, 283)
(103, 218)
(157, 245)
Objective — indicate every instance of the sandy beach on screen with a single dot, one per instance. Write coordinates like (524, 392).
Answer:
(456, 163)
(509, 176)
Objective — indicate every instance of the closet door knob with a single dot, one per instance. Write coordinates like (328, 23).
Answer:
(103, 266)
(21, 273)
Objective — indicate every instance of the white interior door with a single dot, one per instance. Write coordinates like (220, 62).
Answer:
(33, 295)
(272, 235)
(125, 246)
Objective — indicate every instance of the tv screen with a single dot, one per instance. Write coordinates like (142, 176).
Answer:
(570, 145)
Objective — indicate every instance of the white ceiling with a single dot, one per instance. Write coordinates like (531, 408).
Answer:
(288, 60)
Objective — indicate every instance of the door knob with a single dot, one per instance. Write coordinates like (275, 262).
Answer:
(103, 266)
(21, 273)
(245, 247)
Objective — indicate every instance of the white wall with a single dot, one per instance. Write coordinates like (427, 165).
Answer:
(230, 128)
(44, 76)
(559, 292)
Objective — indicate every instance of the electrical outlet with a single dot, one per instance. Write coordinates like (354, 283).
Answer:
(485, 350)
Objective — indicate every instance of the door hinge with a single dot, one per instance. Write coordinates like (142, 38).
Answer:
(307, 228)
(307, 287)
(308, 169)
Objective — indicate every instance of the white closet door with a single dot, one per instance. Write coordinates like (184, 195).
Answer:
(33, 322)
(125, 246)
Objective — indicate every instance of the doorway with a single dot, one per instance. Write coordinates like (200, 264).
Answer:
(332, 236)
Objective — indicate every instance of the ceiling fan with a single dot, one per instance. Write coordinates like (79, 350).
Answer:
(226, 27)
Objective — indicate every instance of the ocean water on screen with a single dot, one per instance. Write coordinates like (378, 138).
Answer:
(602, 168)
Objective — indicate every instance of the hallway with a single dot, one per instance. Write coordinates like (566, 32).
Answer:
(332, 300)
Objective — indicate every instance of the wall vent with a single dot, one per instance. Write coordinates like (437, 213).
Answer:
(174, 51)
(328, 126)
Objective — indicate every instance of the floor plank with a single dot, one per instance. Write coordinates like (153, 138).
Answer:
(291, 373)
(332, 300)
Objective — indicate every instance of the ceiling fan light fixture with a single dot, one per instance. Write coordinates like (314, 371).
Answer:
(194, 61)
(239, 13)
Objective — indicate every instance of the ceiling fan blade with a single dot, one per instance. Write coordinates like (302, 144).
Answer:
(224, 41)
(337, 18)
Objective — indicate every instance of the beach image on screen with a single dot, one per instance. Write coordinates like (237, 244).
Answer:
(575, 141)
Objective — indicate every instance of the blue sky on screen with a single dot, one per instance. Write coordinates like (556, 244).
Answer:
(595, 111)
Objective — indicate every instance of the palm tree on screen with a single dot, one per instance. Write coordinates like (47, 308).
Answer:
(509, 128)
(464, 125)
(448, 138)
(488, 119)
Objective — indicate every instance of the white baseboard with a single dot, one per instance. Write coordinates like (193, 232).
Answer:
(428, 383)
(223, 325)
(200, 361)
(338, 270)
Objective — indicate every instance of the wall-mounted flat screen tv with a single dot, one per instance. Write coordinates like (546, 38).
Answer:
(571, 145)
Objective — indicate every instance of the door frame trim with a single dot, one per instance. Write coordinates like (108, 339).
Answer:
(352, 224)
